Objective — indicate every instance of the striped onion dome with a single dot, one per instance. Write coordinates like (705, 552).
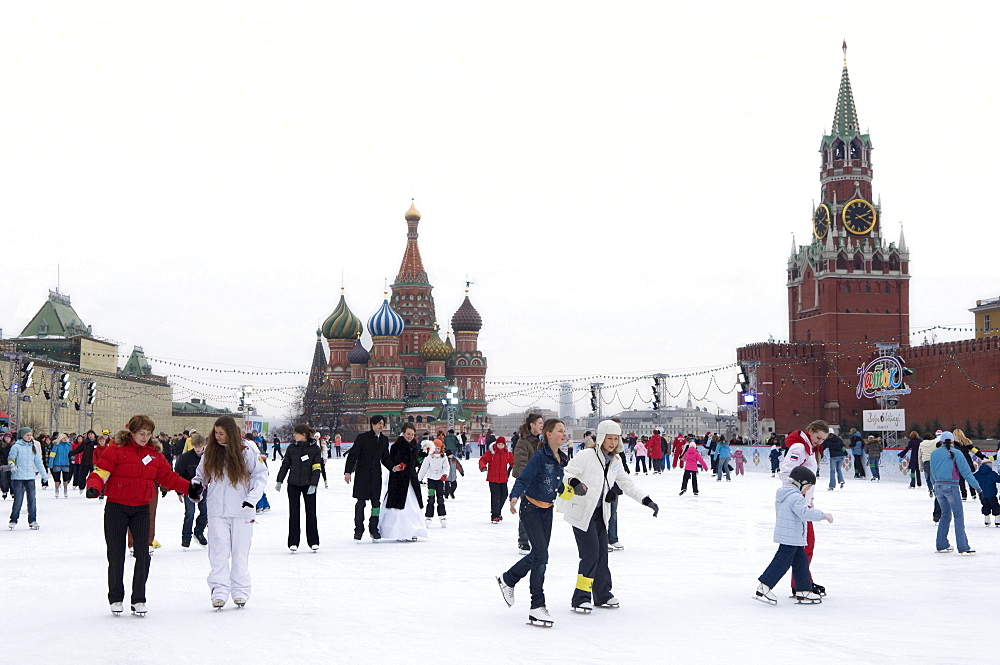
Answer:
(385, 322)
(466, 319)
(434, 348)
(359, 354)
(342, 324)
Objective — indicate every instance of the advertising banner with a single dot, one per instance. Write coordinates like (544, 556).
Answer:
(885, 420)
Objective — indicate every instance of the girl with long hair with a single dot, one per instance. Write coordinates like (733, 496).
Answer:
(234, 480)
(946, 468)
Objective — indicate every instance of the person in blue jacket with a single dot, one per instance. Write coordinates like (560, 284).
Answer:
(59, 464)
(539, 483)
(947, 466)
(722, 456)
(988, 479)
(24, 461)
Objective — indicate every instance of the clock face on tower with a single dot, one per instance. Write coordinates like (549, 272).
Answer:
(821, 221)
(859, 216)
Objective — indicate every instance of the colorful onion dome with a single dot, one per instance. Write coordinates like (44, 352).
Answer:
(342, 324)
(385, 322)
(359, 354)
(466, 319)
(434, 348)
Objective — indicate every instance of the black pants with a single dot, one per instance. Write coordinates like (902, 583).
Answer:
(118, 521)
(990, 505)
(640, 460)
(915, 478)
(449, 488)
(859, 466)
(965, 491)
(359, 516)
(593, 574)
(498, 496)
(322, 468)
(80, 473)
(435, 490)
(693, 475)
(294, 531)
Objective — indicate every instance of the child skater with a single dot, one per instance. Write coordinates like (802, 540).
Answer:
(775, 457)
(792, 512)
(234, 480)
(435, 469)
(497, 463)
(738, 460)
(987, 479)
(691, 459)
(454, 468)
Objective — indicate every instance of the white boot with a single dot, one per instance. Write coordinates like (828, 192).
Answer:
(765, 594)
(444, 522)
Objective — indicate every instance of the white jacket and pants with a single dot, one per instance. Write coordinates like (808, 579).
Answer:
(230, 526)
(589, 515)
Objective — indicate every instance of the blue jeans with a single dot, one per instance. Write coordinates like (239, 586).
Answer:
(927, 475)
(19, 489)
(836, 469)
(788, 556)
(722, 464)
(189, 519)
(873, 463)
(613, 523)
(951, 502)
(538, 524)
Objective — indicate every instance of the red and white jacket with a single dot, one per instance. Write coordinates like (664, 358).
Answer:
(800, 453)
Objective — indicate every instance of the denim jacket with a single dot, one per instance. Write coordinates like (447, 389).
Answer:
(542, 478)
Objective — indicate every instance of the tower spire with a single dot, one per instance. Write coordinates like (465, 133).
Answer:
(411, 270)
(845, 115)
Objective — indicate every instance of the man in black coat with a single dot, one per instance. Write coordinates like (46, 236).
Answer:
(369, 453)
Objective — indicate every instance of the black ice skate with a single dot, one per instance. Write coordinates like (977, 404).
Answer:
(819, 589)
(539, 616)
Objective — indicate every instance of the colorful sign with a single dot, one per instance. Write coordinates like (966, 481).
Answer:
(882, 377)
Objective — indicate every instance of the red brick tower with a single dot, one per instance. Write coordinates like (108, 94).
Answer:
(468, 365)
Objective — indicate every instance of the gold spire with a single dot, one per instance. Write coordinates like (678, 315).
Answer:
(413, 215)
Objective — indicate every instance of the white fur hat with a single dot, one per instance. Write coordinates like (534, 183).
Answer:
(606, 427)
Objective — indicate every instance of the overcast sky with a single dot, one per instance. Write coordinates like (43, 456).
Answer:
(620, 182)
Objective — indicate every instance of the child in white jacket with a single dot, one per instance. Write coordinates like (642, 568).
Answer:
(435, 470)
(234, 479)
(590, 488)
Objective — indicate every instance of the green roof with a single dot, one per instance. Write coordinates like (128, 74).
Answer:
(137, 364)
(55, 318)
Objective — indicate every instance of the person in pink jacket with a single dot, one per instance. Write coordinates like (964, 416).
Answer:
(738, 460)
(640, 457)
(691, 459)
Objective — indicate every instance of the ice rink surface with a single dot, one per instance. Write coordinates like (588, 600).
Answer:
(685, 580)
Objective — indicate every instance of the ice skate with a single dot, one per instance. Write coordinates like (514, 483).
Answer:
(117, 609)
(495, 520)
(764, 595)
(682, 493)
(616, 546)
(202, 540)
(218, 603)
(807, 598)
(819, 589)
(523, 551)
(293, 548)
(444, 522)
(841, 484)
(139, 609)
(373, 529)
(610, 604)
(240, 602)
(988, 521)
(968, 553)
(539, 616)
(427, 522)
(34, 526)
(314, 548)
(583, 608)
(945, 550)
(12, 525)
(358, 533)
(507, 591)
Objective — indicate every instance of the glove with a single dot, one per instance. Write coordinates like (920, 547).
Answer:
(399, 467)
(444, 478)
(828, 517)
(277, 487)
(45, 483)
(194, 491)
(247, 504)
(483, 469)
(651, 504)
(613, 493)
(92, 493)
(311, 490)
(578, 488)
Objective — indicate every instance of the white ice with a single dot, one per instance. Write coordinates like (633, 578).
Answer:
(685, 580)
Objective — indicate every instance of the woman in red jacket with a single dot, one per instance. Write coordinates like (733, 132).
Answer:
(654, 448)
(497, 463)
(128, 472)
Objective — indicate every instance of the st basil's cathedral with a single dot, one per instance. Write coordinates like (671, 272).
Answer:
(408, 370)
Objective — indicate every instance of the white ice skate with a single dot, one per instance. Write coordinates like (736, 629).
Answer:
(139, 609)
(507, 591)
(293, 548)
(314, 548)
(444, 522)
(583, 608)
(34, 526)
(240, 602)
(968, 553)
(808, 598)
(117, 609)
(610, 604)
(616, 546)
(765, 595)
(218, 603)
(540, 616)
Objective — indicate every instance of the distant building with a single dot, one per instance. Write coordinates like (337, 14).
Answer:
(197, 414)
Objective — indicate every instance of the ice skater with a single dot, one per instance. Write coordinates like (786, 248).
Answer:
(234, 479)
(186, 467)
(987, 479)
(303, 465)
(497, 464)
(538, 483)
(946, 468)
(128, 472)
(454, 470)
(691, 459)
(401, 518)
(801, 452)
(594, 480)
(367, 456)
(59, 464)
(738, 461)
(792, 515)
(23, 461)
(435, 471)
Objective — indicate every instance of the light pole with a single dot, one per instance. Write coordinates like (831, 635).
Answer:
(449, 404)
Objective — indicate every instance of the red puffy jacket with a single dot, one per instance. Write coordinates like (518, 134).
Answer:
(654, 447)
(498, 462)
(129, 473)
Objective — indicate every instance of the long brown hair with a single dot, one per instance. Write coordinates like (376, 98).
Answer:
(226, 461)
